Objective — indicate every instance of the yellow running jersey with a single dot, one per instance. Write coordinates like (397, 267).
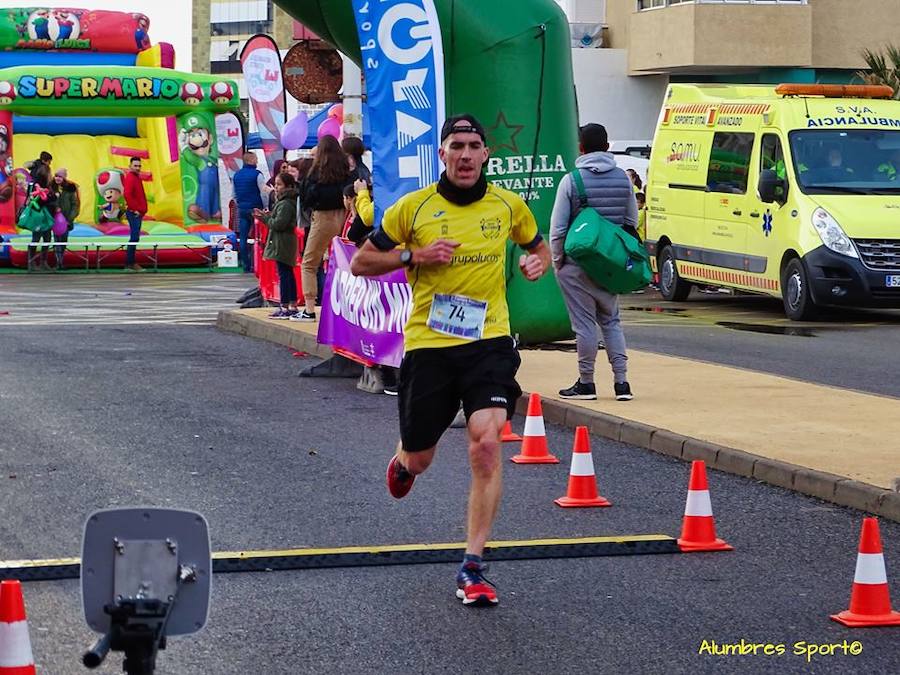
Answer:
(475, 279)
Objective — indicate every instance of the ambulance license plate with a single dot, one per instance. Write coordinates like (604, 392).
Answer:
(892, 281)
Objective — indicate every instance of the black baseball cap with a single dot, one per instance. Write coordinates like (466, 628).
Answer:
(464, 123)
(593, 138)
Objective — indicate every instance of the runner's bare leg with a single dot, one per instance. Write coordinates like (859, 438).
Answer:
(485, 458)
(415, 462)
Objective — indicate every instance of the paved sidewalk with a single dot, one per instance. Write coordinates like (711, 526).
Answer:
(832, 443)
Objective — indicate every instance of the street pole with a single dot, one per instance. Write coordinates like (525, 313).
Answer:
(352, 99)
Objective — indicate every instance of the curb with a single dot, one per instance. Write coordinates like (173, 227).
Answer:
(232, 321)
(819, 484)
(825, 486)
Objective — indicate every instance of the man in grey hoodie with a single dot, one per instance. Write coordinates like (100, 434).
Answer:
(609, 191)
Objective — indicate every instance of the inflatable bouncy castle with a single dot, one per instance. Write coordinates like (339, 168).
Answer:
(89, 88)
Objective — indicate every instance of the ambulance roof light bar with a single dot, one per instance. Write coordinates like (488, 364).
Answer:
(836, 90)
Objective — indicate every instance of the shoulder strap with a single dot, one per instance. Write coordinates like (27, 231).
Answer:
(579, 185)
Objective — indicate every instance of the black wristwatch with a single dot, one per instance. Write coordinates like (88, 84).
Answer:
(406, 257)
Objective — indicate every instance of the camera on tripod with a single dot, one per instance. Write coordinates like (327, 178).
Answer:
(145, 575)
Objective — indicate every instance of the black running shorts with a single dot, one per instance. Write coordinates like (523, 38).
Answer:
(434, 381)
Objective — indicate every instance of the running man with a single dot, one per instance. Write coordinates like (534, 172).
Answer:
(457, 339)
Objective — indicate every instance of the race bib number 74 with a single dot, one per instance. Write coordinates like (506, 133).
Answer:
(457, 315)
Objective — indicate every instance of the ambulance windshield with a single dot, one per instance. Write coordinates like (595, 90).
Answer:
(847, 162)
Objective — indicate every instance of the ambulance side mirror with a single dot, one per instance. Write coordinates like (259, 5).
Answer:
(769, 182)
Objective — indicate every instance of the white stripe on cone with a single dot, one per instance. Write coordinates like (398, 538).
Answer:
(582, 464)
(698, 503)
(534, 426)
(16, 650)
(870, 569)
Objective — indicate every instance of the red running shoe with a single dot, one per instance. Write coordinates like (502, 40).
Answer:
(399, 480)
(473, 588)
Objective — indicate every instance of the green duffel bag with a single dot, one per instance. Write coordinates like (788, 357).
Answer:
(612, 258)
(35, 217)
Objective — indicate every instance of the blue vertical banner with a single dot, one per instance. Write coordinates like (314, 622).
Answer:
(403, 59)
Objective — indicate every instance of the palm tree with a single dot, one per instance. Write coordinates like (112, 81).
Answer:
(883, 68)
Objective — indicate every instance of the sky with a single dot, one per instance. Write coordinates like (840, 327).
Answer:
(170, 20)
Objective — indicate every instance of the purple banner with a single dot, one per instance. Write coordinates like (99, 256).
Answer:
(364, 315)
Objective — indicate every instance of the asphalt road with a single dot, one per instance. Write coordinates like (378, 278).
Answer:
(180, 415)
(851, 349)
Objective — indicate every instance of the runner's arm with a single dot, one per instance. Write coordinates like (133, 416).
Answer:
(536, 262)
(371, 261)
(379, 255)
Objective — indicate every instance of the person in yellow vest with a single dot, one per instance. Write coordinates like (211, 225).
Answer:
(888, 170)
(642, 215)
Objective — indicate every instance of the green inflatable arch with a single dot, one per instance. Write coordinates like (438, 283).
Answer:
(509, 63)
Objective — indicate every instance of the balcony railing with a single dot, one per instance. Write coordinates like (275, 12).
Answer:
(657, 4)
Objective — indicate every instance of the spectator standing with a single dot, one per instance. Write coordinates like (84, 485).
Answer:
(354, 149)
(281, 242)
(641, 199)
(636, 183)
(611, 193)
(250, 194)
(135, 210)
(323, 193)
(358, 224)
(279, 167)
(68, 199)
(41, 191)
(44, 158)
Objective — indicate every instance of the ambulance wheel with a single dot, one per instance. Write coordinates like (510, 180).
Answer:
(798, 302)
(671, 286)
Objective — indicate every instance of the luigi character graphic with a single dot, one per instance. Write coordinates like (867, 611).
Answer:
(200, 168)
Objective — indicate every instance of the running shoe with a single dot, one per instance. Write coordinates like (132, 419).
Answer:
(303, 315)
(580, 391)
(390, 390)
(473, 588)
(399, 480)
(623, 391)
(281, 314)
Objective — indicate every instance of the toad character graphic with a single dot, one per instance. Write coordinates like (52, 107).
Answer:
(221, 92)
(191, 93)
(7, 93)
(109, 185)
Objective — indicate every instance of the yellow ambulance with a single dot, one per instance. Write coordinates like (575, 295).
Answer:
(791, 191)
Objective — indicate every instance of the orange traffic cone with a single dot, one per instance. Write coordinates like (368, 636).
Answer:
(534, 445)
(15, 645)
(582, 481)
(870, 601)
(507, 435)
(698, 532)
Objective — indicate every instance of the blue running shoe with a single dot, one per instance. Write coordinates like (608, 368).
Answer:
(473, 588)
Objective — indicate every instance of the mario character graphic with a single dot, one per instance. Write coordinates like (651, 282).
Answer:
(221, 92)
(68, 24)
(110, 187)
(7, 93)
(22, 178)
(191, 93)
(141, 35)
(6, 185)
(200, 168)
